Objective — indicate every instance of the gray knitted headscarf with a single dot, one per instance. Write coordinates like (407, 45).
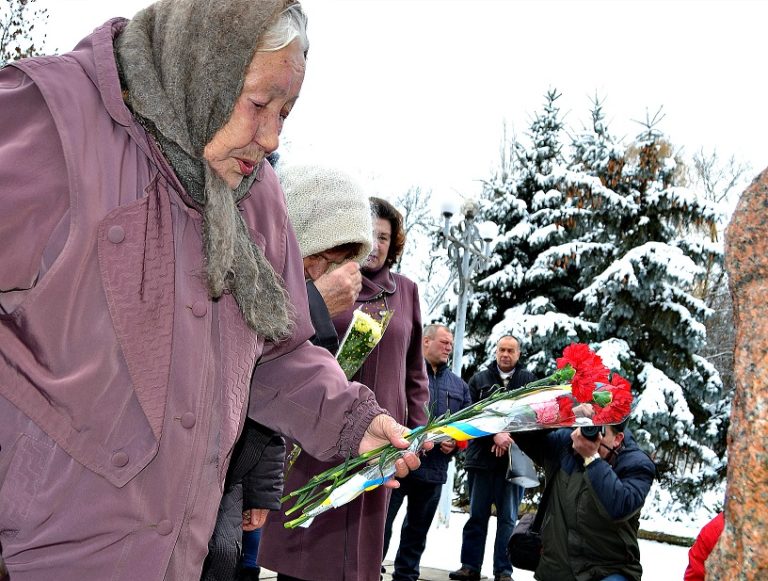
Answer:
(183, 63)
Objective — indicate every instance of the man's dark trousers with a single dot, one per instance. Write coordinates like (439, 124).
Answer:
(488, 487)
(423, 498)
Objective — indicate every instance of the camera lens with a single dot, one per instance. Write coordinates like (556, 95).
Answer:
(591, 432)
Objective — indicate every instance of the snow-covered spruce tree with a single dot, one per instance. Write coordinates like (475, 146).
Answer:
(719, 180)
(596, 166)
(529, 285)
(644, 301)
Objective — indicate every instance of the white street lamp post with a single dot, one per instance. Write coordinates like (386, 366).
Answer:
(468, 250)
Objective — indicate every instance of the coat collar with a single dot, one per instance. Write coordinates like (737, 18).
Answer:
(494, 369)
(440, 368)
(377, 283)
(96, 55)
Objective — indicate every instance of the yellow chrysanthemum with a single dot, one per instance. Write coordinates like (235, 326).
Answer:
(364, 323)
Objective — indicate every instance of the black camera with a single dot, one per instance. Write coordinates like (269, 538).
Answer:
(591, 432)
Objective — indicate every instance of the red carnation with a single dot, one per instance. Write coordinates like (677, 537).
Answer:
(620, 404)
(566, 409)
(589, 370)
(573, 355)
(619, 381)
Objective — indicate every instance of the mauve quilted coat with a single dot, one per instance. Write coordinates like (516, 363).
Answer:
(123, 387)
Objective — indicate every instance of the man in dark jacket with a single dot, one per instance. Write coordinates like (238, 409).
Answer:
(447, 391)
(593, 513)
(486, 463)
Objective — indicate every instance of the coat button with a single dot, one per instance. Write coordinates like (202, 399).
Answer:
(164, 527)
(119, 459)
(188, 420)
(116, 234)
(199, 309)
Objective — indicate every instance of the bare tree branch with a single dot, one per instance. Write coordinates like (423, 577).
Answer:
(18, 19)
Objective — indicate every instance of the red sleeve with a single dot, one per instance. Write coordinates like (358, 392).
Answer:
(34, 192)
(705, 542)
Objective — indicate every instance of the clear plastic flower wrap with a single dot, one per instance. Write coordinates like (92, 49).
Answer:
(579, 393)
(363, 334)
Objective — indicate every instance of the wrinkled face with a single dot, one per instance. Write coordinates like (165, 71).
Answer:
(437, 350)
(507, 354)
(382, 238)
(316, 265)
(270, 89)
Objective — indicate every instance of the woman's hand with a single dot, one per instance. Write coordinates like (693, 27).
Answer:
(385, 430)
(448, 446)
(339, 288)
(254, 518)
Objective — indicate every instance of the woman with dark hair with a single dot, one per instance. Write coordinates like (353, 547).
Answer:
(384, 212)
(346, 544)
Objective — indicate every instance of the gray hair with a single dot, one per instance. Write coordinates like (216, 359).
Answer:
(289, 25)
(508, 336)
(431, 330)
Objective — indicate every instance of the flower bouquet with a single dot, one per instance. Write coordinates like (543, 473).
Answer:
(363, 334)
(579, 393)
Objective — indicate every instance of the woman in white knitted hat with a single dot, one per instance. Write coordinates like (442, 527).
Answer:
(346, 544)
(332, 219)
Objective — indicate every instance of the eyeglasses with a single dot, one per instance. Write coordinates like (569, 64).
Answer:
(335, 258)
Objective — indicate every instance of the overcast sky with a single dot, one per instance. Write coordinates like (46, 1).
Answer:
(416, 92)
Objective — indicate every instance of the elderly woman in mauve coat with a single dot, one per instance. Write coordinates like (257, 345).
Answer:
(345, 544)
(151, 290)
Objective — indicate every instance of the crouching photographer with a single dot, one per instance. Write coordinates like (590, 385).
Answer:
(598, 487)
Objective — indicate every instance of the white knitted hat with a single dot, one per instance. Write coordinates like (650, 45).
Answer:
(327, 208)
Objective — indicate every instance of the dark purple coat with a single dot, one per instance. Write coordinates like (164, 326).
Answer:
(345, 544)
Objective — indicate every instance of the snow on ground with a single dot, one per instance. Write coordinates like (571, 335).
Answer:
(661, 561)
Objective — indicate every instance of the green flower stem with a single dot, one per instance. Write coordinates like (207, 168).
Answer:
(341, 474)
(332, 473)
(311, 496)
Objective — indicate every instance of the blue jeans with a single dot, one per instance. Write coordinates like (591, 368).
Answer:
(615, 577)
(423, 498)
(487, 487)
(250, 548)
